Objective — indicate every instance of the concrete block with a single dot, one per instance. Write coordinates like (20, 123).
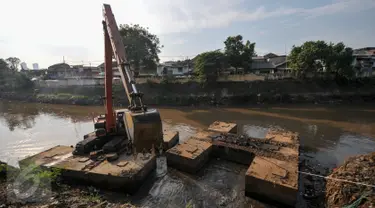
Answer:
(206, 136)
(125, 174)
(223, 127)
(233, 153)
(170, 139)
(51, 155)
(273, 181)
(243, 152)
(283, 136)
(189, 156)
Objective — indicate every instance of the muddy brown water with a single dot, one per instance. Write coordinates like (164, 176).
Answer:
(328, 134)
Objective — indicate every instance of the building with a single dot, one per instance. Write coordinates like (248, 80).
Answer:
(270, 64)
(63, 71)
(35, 66)
(262, 65)
(175, 68)
(24, 66)
(84, 71)
(116, 72)
(58, 71)
(364, 61)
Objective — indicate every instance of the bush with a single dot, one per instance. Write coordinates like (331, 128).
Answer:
(10, 80)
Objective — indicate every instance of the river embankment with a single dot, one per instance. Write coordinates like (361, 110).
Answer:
(219, 93)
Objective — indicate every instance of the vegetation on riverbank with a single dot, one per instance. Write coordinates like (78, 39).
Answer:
(49, 191)
(225, 93)
(10, 78)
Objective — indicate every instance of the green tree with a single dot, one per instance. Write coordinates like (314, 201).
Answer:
(3, 64)
(319, 56)
(238, 53)
(10, 78)
(13, 63)
(141, 46)
(343, 57)
(207, 65)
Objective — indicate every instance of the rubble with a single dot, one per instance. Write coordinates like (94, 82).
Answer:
(243, 140)
(311, 188)
(259, 147)
(359, 169)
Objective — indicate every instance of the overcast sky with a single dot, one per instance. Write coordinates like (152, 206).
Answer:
(43, 31)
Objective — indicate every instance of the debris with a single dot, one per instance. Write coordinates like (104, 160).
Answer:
(259, 147)
(111, 156)
(360, 170)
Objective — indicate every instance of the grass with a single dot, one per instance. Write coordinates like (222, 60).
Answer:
(61, 96)
(189, 204)
(93, 195)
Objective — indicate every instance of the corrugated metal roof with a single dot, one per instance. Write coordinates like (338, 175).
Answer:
(262, 65)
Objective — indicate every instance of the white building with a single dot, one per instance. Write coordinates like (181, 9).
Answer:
(24, 66)
(174, 68)
(35, 66)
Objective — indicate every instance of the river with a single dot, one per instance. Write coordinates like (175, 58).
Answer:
(328, 134)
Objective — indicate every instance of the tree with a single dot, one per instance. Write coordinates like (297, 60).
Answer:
(319, 56)
(239, 54)
(13, 63)
(208, 64)
(141, 46)
(3, 64)
(344, 59)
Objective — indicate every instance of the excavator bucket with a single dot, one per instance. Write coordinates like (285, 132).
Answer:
(144, 129)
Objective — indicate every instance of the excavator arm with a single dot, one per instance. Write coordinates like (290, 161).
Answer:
(126, 73)
(142, 126)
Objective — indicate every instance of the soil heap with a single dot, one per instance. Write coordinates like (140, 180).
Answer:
(359, 169)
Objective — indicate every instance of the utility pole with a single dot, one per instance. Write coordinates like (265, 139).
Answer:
(286, 59)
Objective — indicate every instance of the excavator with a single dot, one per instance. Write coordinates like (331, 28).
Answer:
(131, 130)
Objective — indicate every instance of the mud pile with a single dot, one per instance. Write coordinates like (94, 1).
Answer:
(259, 147)
(359, 169)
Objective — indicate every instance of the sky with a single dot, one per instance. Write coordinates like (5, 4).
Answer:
(45, 31)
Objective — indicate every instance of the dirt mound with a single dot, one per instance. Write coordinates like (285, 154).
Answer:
(360, 169)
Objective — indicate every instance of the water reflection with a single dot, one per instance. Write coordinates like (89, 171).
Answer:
(17, 116)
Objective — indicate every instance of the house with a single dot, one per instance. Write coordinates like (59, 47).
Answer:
(270, 55)
(271, 65)
(63, 70)
(175, 68)
(116, 72)
(262, 65)
(84, 71)
(58, 71)
(364, 61)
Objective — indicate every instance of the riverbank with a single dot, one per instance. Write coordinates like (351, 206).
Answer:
(220, 93)
(193, 94)
(55, 194)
